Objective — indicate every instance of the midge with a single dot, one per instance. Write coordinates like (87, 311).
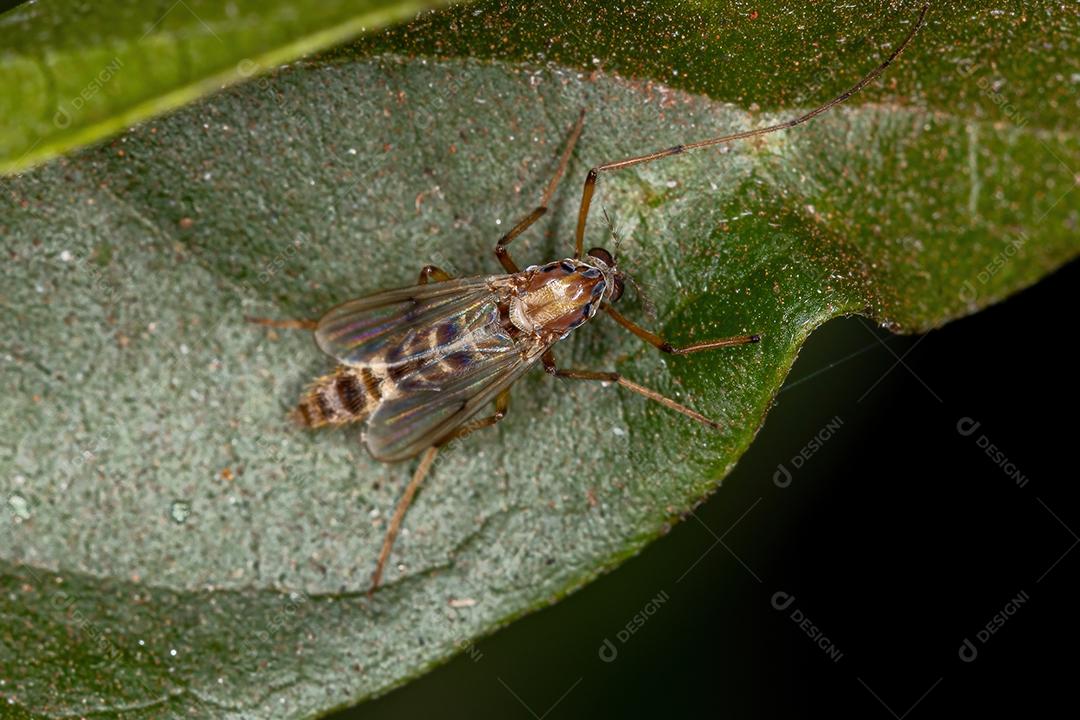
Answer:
(418, 364)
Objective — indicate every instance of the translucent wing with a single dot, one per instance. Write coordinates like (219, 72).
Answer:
(422, 416)
(440, 352)
(358, 331)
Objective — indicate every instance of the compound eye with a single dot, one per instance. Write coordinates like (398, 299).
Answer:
(616, 289)
(603, 255)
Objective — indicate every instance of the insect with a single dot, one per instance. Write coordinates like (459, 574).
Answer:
(418, 364)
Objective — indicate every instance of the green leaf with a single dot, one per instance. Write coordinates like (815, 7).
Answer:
(173, 547)
(72, 74)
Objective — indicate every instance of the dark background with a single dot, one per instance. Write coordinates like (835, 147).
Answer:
(899, 539)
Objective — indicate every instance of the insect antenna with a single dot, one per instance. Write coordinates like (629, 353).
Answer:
(866, 80)
(590, 180)
(647, 305)
(613, 228)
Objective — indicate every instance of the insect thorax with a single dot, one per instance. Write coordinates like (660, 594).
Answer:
(551, 300)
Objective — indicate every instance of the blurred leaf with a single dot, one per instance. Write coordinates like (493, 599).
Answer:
(73, 72)
(172, 547)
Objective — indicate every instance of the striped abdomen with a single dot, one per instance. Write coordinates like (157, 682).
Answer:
(349, 394)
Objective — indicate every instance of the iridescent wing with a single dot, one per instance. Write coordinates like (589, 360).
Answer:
(417, 419)
(440, 350)
(359, 331)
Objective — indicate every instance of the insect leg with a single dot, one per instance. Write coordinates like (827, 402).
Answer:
(502, 404)
(549, 364)
(664, 346)
(429, 272)
(590, 180)
(502, 252)
(284, 324)
(422, 470)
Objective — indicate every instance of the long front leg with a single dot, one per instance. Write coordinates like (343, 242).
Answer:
(502, 252)
(613, 377)
(502, 404)
(664, 346)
